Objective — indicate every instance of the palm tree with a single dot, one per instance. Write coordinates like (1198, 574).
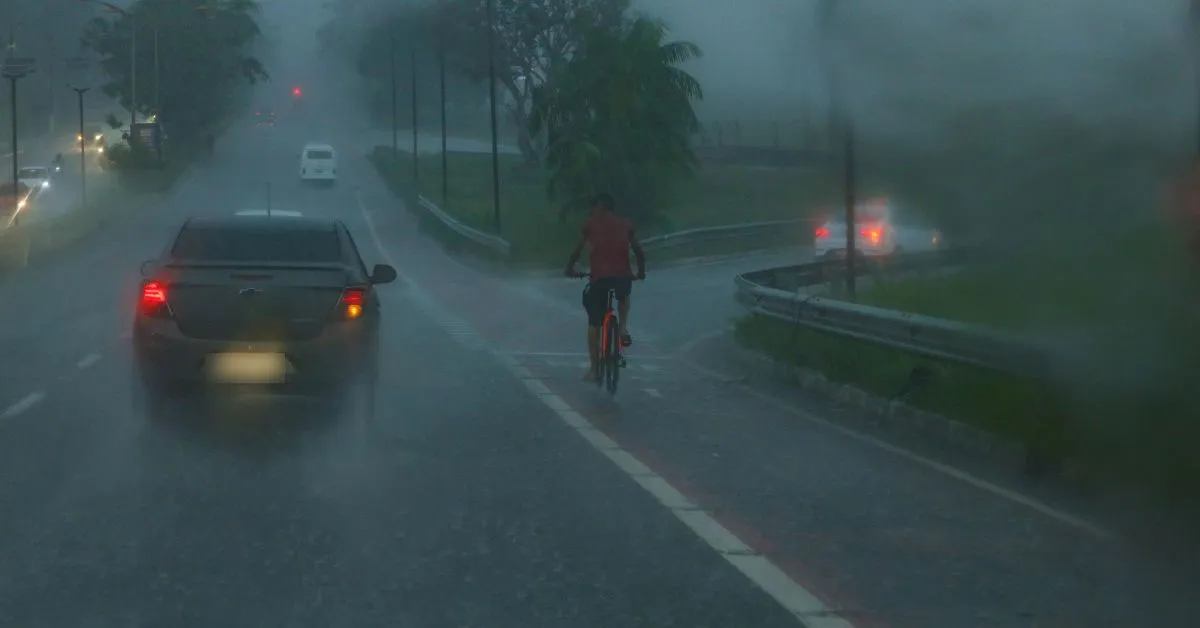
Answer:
(618, 117)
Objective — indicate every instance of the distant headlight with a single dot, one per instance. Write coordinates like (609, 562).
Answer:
(99, 137)
(45, 184)
(100, 149)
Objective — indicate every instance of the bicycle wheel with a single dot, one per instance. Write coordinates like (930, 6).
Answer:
(612, 357)
(602, 363)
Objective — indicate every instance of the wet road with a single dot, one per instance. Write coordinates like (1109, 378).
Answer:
(493, 488)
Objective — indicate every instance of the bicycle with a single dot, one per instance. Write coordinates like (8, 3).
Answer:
(612, 360)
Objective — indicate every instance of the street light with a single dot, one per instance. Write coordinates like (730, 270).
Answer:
(413, 73)
(15, 68)
(839, 119)
(491, 44)
(442, 90)
(80, 91)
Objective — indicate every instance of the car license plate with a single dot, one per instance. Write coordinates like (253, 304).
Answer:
(247, 368)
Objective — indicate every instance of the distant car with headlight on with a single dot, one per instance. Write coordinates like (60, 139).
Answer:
(91, 139)
(35, 177)
(883, 229)
(275, 304)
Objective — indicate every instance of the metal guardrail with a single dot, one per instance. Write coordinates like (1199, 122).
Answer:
(488, 240)
(760, 292)
(723, 232)
(668, 240)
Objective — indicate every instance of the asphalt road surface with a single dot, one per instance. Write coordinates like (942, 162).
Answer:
(493, 488)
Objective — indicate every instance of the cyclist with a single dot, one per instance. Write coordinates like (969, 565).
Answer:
(610, 238)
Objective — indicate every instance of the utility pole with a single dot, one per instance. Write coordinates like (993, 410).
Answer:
(491, 44)
(132, 74)
(395, 131)
(442, 90)
(840, 120)
(14, 69)
(79, 92)
(157, 78)
(416, 163)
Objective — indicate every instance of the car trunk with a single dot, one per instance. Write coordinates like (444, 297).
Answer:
(253, 303)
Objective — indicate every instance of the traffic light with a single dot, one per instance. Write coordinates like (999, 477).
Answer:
(296, 92)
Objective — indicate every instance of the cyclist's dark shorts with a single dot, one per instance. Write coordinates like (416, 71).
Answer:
(595, 296)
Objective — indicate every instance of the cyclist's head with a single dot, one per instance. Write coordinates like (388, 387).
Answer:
(603, 202)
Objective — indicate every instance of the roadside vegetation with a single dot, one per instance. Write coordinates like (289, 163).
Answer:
(596, 100)
(205, 52)
(1123, 403)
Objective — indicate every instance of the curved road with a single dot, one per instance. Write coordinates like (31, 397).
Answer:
(494, 488)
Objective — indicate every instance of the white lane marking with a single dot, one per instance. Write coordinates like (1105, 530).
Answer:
(88, 360)
(21, 406)
(653, 393)
(808, 610)
(945, 469)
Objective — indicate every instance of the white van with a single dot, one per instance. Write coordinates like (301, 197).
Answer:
(318, 162)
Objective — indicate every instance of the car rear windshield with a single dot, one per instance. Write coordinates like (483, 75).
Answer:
(227, 244)
(320, 154)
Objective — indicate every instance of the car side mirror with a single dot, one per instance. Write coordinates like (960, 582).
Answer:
(382, 273)
(148, 267)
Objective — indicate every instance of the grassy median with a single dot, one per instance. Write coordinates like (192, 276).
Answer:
(1123, 404)
(531, 222)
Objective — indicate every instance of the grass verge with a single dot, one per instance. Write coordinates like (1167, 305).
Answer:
(1123, 405)
(531, 223)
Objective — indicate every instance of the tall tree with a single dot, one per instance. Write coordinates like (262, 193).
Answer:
(204, 57)
(618, 116)
(533, 40)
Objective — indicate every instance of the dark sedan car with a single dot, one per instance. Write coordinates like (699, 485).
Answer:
(283, 304)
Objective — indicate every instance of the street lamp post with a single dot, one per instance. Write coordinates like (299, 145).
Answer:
(491, 44)
(395, 127)
(15, 69)
(80, 91)
(840, 120)
(413, 73)
(442, 90)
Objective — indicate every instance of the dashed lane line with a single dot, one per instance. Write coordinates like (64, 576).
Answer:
(808, 610)
(88, 360)
(23, 405)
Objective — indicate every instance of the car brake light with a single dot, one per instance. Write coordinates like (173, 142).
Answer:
(822, 232)
(872, 235)
(154, 299)
(351, 305)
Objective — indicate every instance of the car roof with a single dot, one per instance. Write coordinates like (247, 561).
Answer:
(283, 213)
(261, 222)
(33, 168)
(317, 146)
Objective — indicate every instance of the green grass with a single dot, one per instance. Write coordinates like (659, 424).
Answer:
(532, 224)
(1124, 403)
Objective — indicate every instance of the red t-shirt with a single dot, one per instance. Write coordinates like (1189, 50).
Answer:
(609, 237)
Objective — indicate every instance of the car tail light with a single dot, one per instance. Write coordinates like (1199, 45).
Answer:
(351, 305)
(872, 235)
(154, 300)
(822, 232)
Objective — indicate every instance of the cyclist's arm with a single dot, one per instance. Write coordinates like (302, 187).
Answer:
(638, 253)
(571, 261)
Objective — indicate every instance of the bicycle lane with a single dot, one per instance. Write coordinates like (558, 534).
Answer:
(881, 538)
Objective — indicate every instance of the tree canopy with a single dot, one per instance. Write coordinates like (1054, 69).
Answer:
(203, 57)
(597, 93)
(618, 117)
